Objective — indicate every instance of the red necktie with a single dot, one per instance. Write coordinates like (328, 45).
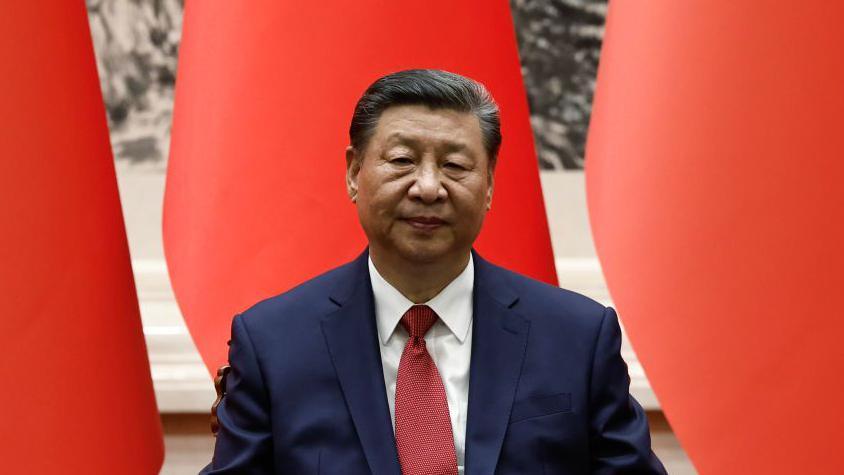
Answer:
(423, 426)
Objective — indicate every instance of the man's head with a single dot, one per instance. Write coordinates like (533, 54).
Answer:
(420, 164)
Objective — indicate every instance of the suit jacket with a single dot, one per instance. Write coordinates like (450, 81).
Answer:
(548, 390)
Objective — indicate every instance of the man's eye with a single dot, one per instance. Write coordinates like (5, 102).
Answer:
(401, 161)
(454, 166)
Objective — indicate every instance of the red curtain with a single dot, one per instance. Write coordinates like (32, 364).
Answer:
(714, 181)
(77, 395)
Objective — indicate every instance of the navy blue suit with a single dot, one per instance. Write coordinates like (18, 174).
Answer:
(548, 390)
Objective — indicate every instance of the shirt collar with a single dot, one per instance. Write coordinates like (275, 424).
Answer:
(453, 304)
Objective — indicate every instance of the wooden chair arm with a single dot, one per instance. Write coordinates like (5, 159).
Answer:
(220, 387)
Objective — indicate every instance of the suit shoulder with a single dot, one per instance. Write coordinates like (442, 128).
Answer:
(303, 302)
(540, 298)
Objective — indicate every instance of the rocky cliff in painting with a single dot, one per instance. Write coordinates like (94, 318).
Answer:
(137, 43)
(559, 46)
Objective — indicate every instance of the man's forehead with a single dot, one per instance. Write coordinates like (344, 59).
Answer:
(414, 124)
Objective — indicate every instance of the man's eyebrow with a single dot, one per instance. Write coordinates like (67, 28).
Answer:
(450, 146)
(398, 137)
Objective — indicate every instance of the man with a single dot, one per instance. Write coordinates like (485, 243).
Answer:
(420, 357)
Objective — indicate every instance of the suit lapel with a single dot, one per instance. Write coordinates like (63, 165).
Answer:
(499, 340)
(351, 336)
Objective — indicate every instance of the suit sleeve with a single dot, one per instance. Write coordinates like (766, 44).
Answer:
(619, 437)
(244, 439)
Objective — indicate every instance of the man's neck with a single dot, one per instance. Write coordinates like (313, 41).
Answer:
(418, 281)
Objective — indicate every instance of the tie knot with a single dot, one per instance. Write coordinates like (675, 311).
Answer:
(418, 320)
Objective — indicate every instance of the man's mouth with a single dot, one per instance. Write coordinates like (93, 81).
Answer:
(425, 223)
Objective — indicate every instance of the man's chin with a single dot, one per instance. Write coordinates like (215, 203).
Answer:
(424, 253)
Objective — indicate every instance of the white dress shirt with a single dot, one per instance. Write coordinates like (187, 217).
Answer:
(449, 342)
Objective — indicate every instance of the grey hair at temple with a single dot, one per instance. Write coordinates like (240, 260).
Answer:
(429, 87)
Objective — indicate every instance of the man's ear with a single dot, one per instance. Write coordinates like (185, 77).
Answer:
(353, 162)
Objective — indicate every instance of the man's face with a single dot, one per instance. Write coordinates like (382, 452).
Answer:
(422, 184)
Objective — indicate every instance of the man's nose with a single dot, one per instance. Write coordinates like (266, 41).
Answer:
(427, 185)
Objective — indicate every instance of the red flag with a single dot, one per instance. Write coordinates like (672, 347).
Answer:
(714, 179)
(255, 200)
(77, 395)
